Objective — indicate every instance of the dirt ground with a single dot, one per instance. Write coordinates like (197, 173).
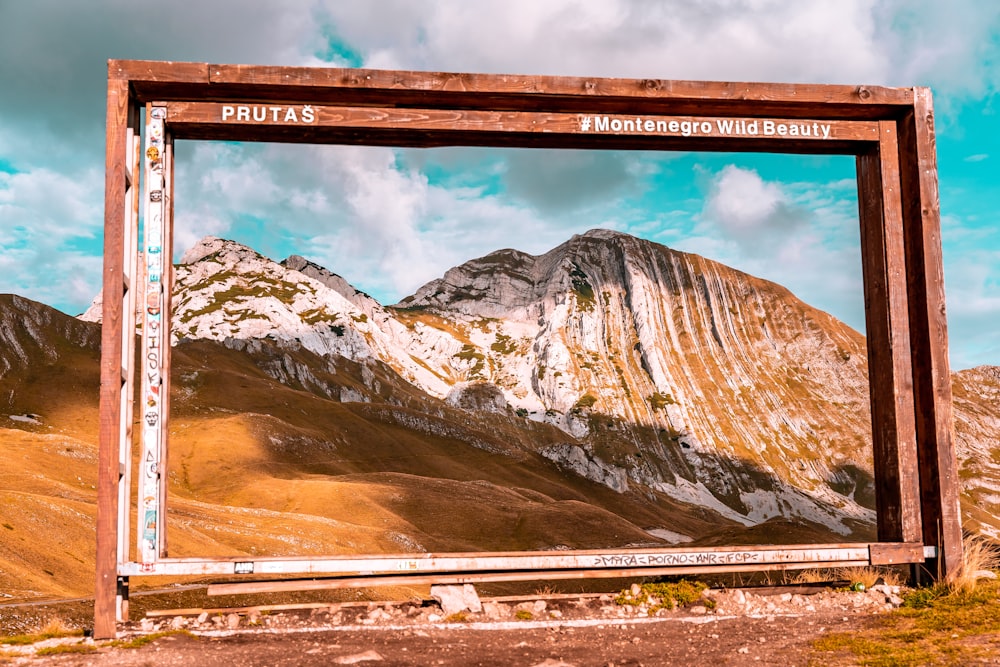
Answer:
(741, 641)
(732, 627)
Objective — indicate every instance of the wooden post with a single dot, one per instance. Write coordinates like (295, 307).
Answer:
(889, 373)
(130, 231)
(113, 379)
(939, 488)
(167, 320)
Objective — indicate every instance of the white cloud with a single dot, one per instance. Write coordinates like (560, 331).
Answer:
(753, 212)
(713, 39)
(356, 210)
(951, 46)
(409, 225)
(45, 217)
(972, 286)
(801, 235)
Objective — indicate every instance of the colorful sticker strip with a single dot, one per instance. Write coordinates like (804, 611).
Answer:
(154, 341)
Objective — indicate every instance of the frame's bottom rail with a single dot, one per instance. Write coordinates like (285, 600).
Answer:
(350, 571)
(330, 583)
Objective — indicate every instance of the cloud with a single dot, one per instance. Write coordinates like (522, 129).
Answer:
(358, 210)
(754, 213)
(972, 286)
(53, 60)
(831, 41)
(396, 218)
(801, 235)
(46, 217)
(952, 46)
(557, 181)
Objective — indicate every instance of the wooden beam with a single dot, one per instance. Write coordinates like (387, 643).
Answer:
(166, 326)
(437, 127)
(939, 484)
(890, 380)
(896, 554)
(116, 164)
(329, 85)
(130, 234)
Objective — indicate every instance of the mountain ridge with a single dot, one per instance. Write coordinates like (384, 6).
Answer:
(666, 370)
(611, 339)
(300, 419)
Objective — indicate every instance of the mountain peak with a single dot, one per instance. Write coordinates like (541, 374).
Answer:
(602, 234)
(213, 245)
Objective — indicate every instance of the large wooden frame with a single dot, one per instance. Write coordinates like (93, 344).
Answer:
(889, 130)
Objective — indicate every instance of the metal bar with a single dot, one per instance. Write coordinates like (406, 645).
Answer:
(167, 281)
(715, 558)
(251, 588)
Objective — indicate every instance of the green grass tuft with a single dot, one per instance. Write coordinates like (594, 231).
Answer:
(142, 640)
(663, 595)
(45, 633)
(942, 625)
(66, 648)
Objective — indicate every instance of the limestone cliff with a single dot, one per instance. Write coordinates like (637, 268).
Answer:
(664, 370)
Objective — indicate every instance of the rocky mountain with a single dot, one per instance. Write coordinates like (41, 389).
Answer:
(976, 394)
(276, 450)
(609, 392)
(664, 371)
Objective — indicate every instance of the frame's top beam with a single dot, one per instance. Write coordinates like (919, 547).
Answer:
(171, 81)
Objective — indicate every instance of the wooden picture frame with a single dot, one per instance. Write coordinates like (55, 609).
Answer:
(889, 130)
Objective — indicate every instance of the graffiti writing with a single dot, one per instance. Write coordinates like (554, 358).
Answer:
(688, 558)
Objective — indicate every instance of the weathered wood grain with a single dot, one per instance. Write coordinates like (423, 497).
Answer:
(456, 127)
(116, 164)
(942, 525)
(328, 85)
(887, 328)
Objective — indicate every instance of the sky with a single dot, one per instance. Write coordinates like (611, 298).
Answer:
(389, 220)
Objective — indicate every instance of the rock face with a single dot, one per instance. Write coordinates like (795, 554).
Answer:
(665, 371)
(31, 335)
(720, 386)
(976, 394)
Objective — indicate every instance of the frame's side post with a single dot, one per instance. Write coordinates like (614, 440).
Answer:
(165, 324)
(113, 376)
(130, 238)
(154, 342)
(939, 487)
(889, 373)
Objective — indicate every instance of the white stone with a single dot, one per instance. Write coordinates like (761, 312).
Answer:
(457, 598)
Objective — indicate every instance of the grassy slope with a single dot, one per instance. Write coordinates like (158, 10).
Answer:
(355, 463)
(258, 467)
